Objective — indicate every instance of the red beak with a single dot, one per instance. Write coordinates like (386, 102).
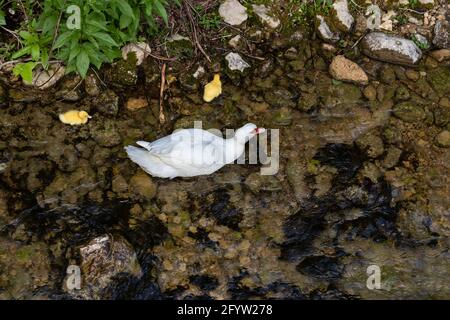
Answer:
(259, 130)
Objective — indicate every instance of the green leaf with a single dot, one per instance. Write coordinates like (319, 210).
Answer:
(21, 52)
(125, 21)
(35, 52)
(2, 18)
(82, 63)
(125, 8)
(74, 52)
(63, 39)
(25, 70)
(99, 25)
(25, 35)
(49, 24)
(105, 38)
(161, 11)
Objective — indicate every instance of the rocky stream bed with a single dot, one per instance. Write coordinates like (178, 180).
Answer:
(363, 177)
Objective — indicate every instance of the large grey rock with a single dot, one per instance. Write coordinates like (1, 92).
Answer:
(442, 34)
(232, 12)
(342, 17)
(384, 47)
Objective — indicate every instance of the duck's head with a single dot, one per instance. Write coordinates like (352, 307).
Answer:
(248, 131)
(83, 115)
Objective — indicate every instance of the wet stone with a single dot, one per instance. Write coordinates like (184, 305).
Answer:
(107, 103)
(257, 182)
(104, 258)
(142, 186)
(443, 139)
(372, 144)
(384, 47)
(409, 112)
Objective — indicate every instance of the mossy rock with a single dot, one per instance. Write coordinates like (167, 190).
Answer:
(409, 112)
(439, 79)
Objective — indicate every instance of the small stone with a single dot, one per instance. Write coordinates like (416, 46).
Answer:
(425, 4)
(342, 17)
(235, 41)
(443, 139)
(136, 103)
(387, 25)
(263, 13)
(412, 75)
(235, 62)
(442, 34)
(392, 157)
(370, 93)
(232, 12)
(372, 143)
(441, 55)
(142, 186)
(409, 112)
(107, 103)
(324, 30)
(346, 70)
(91, 85)
(140, 49)
(257, 182)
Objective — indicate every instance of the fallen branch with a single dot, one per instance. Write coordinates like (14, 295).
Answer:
(162, 119)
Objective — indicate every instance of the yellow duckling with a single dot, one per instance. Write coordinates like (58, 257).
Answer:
(74, 117)
(213, 89)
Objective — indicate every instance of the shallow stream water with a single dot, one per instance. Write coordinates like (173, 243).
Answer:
(356, 187)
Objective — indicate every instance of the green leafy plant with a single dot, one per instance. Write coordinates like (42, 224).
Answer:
(103, 29)
(2, 14)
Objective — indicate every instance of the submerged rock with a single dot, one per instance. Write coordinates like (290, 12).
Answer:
(232, 12)
(257, 182)
(341, 16)
(409, 112)
(441, 55)
(344, 69)
(107, 103)
(384, 47)
(235, 62)
(443, 139)
(136, 103)
(142, 186)
(264, 16)
(439, 79)
(371, 143)
(24, 269)
(104, 258)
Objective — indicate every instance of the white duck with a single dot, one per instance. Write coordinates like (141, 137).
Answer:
(190, 152)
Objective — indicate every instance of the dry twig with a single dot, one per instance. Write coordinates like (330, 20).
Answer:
(162, 119)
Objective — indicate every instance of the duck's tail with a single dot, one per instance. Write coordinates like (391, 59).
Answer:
(148, 163)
